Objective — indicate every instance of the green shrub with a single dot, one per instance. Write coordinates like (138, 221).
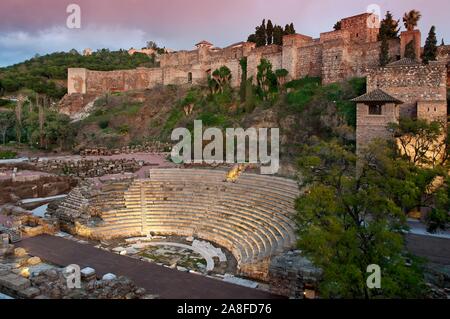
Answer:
(297, 84)
(175, 115)
(212, 119)
(123, 129)
(103, 124)
(301, 97)
(7, 154)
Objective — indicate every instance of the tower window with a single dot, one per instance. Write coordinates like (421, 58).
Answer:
(375, 109)
(190, 77)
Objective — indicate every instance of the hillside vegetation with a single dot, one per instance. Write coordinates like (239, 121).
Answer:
(305, 109)
(48, 74)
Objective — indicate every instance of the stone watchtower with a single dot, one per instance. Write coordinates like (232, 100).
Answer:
(375, 110)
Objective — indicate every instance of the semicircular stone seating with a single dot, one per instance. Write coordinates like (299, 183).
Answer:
(253, 217)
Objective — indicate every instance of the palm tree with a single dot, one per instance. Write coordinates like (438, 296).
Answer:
(222, 76)
(411, 18)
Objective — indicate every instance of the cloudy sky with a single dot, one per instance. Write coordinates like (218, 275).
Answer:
(28, 27)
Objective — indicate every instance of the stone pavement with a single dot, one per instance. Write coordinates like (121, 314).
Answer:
(158, 280)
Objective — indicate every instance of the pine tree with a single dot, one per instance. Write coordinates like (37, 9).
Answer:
(442, 42)
(410, 51)
(269, 32)
(389, 27)
(430, 49)
(384, 52)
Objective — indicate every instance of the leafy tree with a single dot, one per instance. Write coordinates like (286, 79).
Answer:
(265, 77)
(439, 217)
(6, 122)
(252, 38)
(430, 49)
(269, 32)
(420, 141)
(281, 75)
(222, 77)
(348, 220)
(337, 26)
(411, 19)
(410, 50)
(389, 27)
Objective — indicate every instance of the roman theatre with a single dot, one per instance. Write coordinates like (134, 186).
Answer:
(251, 216)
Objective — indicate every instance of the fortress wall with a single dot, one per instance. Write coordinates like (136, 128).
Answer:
(122, 80)
(179, 58)
(272, 53)
(310, 61)
(411, 84)
(76, 81)
(367, 56)
(335, 65)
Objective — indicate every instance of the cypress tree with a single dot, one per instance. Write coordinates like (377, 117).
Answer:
(261, 37)
(384, 52)
(430, 49)
(291, 28)
(269, 32)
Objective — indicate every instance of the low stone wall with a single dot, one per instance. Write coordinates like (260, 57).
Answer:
(294, 276)
(90, 168)
(154, 147)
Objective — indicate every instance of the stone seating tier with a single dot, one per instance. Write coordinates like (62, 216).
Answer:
(253, 218)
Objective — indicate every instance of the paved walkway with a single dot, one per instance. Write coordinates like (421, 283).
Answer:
(165, 282)
(436, 250)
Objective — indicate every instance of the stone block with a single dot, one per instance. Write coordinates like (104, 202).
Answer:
(14, 282)
(34, 261)
(109, 277)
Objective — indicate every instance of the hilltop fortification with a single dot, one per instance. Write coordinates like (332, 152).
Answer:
(334, 56)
